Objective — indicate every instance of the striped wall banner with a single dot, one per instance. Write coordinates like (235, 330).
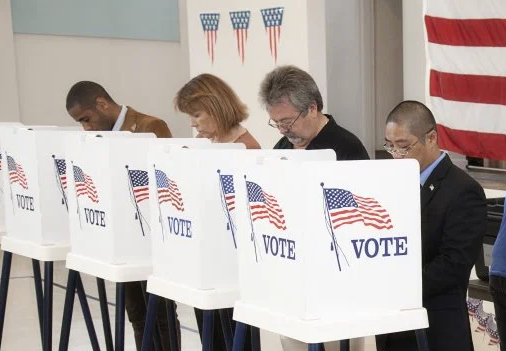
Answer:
(466, 64)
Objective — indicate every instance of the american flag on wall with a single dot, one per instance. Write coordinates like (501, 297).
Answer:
(264, 206)
(16, 173)
(273, 19)
(344, 207)
(210, 23)
(466, 55)
(168, 191)
(240, 23)
(140, 184)
(84, 185)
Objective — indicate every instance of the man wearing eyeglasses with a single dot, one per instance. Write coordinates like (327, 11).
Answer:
(453, 219)
(294, 104)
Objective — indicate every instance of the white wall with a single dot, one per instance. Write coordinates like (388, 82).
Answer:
(9, 104)
(350, 67)
(388, 62)
(414, 50)
(302, 44)
(143, 74)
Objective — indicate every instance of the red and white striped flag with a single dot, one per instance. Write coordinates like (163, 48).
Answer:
(210, 23)
(466, 58)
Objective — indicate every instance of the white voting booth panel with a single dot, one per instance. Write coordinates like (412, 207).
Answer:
(109, 212)
(101, 196)
(2, 166)
(193, 211)
(327, 242)
(35, 192)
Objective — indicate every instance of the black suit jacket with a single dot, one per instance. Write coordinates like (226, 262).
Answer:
(454, 219)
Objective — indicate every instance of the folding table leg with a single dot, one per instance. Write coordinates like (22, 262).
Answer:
(87, 314)
(239, 336)
(48, 306)
(4, 289)
(147, 338)
(120, 317)
(106, 321)
(37, 279)
(421, 339)
(226, 326)
(207, 330)
(68, 309)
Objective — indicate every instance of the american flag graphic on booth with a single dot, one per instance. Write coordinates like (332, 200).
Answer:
(227, 187)
(16, 173)
(240, 23)
(344, 207)
(273, 19)
(168, 191)
(210, 23)
(61, 168)
(466, 51)
(140, 184)
(84, 185)
(264, 206)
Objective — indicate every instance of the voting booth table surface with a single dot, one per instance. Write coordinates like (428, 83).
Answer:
(109, 215)
(35, 204)
(193, 211)
(315, 237)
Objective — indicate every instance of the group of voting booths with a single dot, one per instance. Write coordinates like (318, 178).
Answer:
(291, 239)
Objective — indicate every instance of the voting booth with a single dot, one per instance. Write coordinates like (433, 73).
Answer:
(193, 209)
(34, 192)
(109, 216)
(109, 203)
(2, 203)
(35, 200)
(326, 251)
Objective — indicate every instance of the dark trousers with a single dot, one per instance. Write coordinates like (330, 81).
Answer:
(449, 330)
(218, 337)
(135, 304)
(498, 291)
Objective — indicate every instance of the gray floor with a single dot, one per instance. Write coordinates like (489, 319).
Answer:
(21, 330)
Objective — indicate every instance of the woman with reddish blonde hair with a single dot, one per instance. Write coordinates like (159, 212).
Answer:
(215, 110)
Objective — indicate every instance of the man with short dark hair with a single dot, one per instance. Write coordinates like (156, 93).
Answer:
(295, 105)
(453, 224)
(89, 104)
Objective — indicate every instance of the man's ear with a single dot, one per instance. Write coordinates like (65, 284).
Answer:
(433, 138)
(101, 104)
(313, 110)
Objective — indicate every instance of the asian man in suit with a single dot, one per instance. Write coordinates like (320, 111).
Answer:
(90, 105)
(453, 223)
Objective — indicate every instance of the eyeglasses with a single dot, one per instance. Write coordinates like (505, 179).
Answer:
(404, 151)
(284, 125)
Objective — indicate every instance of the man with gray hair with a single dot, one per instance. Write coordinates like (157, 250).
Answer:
(295, 105)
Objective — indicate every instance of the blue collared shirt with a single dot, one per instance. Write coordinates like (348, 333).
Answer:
(498, 266)
(428, 171)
